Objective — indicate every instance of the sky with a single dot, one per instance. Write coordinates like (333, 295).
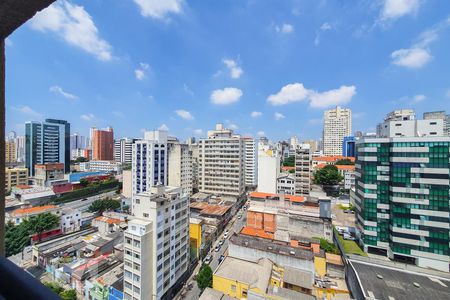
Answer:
(264, 68)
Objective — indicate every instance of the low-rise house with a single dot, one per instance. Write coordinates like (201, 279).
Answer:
(70, 220)
(101, 285)
(107, 224)
(17, 216)
(32, 195)
(286, 184)
(46, 173)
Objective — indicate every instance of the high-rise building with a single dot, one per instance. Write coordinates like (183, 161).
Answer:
(337, 123)
(77, 141)
(47, 142)
(250, 162)
(10, 152)
(20, 148)
(123, 150)
(149, 161)
(221, 163)
(156, 244)
(439, 115)
(180, 166)
(302, 170)
(268, 168)
(102, 144)
(195, 159)
(348, 146)
(404, 123)
(313, 145)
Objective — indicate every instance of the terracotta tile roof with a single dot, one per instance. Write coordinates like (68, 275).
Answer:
(256, 232)
(210, 209)
(268, 195)
(287, 168)
(23, 186)
(33, 210)
(50, 167)
(340, 167)
(108, 220)
(332, 158)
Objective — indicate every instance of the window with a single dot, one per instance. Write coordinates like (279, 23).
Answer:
(233, 288)
(145, 215)
(137, 201)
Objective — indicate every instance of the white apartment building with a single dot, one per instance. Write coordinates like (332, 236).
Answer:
(337, 123)
(439, 115)
(349, 180)
(149, 161)
(250, 161)
(156, 243)
(303, 170)
(268, 168)
(221, 163)
(180, 166)
(102, 166)
(286, 184)
(123, 150)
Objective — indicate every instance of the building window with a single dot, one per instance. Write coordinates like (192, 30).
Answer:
(145, 215)
(233, 288)
(137, 201)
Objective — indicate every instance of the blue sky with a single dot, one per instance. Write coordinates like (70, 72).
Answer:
(262, 67)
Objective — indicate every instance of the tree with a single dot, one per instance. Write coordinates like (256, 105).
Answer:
(328, 247)
(102, 205)
(68, 295)
(81, 159)
(56, 288)
(41, 223)
(328, 175)
(289, 162)
(204, 277)
(345, 161)
(84, 182)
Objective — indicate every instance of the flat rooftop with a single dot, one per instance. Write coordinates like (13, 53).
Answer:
(382, 282)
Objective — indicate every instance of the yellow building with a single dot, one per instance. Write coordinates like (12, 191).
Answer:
(195, 234)
(10, 152)
(15, 176)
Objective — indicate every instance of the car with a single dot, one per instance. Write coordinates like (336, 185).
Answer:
(348, 237)
(239, 216)
(226, 231)
(221, 258)
(348, 211)
(207, 259)
(225, 235)
(217, 248)
(221, 242)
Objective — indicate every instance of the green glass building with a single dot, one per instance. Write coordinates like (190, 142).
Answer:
(402, 198)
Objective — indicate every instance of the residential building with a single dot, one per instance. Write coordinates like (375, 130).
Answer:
(156, 243)
(302, 170)
(70, 220)
(221, 163)
(17, 216)
(401, 198)
(123, 150)
(127, 186)
(286, 184)
(108, 166)
(15, 176)
(347, 172)
(180, 166)
(403, 123)
(250, 162)
(195, 159)
(78, 141)
(100, 289)
(10, 152)
(47, 142)
(102, 143)
(328, 160)
(337, 124)
(20, 148)
(46, 173)
(313, 145)
(348, 146)
(439, 115)
(149, 163)
(76, 153)
(268, 168)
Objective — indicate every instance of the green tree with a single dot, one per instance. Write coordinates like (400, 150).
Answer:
(328, 247)
(345, 161)
(56, 288)
(103, 205)
(289, 162)
(81, 159)
(84, 182)
(328, 175)
(204, 277)
(68, 295)
(41, 223)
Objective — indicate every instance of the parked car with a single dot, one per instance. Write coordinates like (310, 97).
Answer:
(221, 258)
(207, 259)
(221, 242)
(348, 237)
(348, 211)
(239, 217)
(217, 248)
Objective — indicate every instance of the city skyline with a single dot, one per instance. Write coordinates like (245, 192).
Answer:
(187, 65)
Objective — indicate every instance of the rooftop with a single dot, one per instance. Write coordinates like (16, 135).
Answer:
(256, 232)
(332, 158)
(108, 220)
(339, 167)
(289, 294)
(210, 209)
(291, 198)
(33, 210)
(211, 294)
(111, 276)
(50, 166)
(298, 277)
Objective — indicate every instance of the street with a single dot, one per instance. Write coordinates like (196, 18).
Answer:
(83, 205)
(235, 225)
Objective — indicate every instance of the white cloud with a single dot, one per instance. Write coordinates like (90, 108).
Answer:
(58, 90)
(226, 96)
(413, 58)
(394, 9)
(187, 89)
(140, 72)
(339, 96)
(158, 9)
(184, 114)
(72, 23)
(233, 126)
(278, 116)
(325, 26)
(163, 127)
(198, 132)
(285, 28)
(261, 133)
(26, 110)
(256, 114)
(293, 92)
(233, 67)
(418, 98)
(88, 117)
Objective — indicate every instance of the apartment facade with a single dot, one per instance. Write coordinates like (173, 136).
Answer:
(156, 243)
(102, 143)
(439, 115)
(302, 170)
(15, 176)
(286, 184)
(268, 168)
(78, 141)
(402, 198)
(221, 163)
(101, 166)
(337, 124)
(123, 150)
(149, 161)
(250, 162)
(48, 172)
(180, 166)
(47, 142)
(10, 152)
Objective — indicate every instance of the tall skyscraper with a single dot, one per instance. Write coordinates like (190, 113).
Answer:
(302, 170)
(20, 148)
(156, 243)
(221, 163)
(47, 142)
(337, 123)
(149, 161)
(123, 150)
(250, 162)
(268, 167)
(348, 146)
(77, 141)
(10, 152)
(180, 167)
(102, 144)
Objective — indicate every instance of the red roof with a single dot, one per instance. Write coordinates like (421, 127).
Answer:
(33, 210)
(256, 232)
(332, 158)
(108, 220)
(268, 195)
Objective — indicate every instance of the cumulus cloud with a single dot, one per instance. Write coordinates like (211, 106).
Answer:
(226, 96)
(159, 9)
(87, 117)
(293, 92)
(278, 116)
(285, 28)
(163, 127)
(233, 67)
(342, 95)
(413, 58)
(75, 26)
(184, 114)
(325, 26)
(394, 9)
(261, 133)
(140, 71)
(28, 111)
(256, 114)
(58, 90)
